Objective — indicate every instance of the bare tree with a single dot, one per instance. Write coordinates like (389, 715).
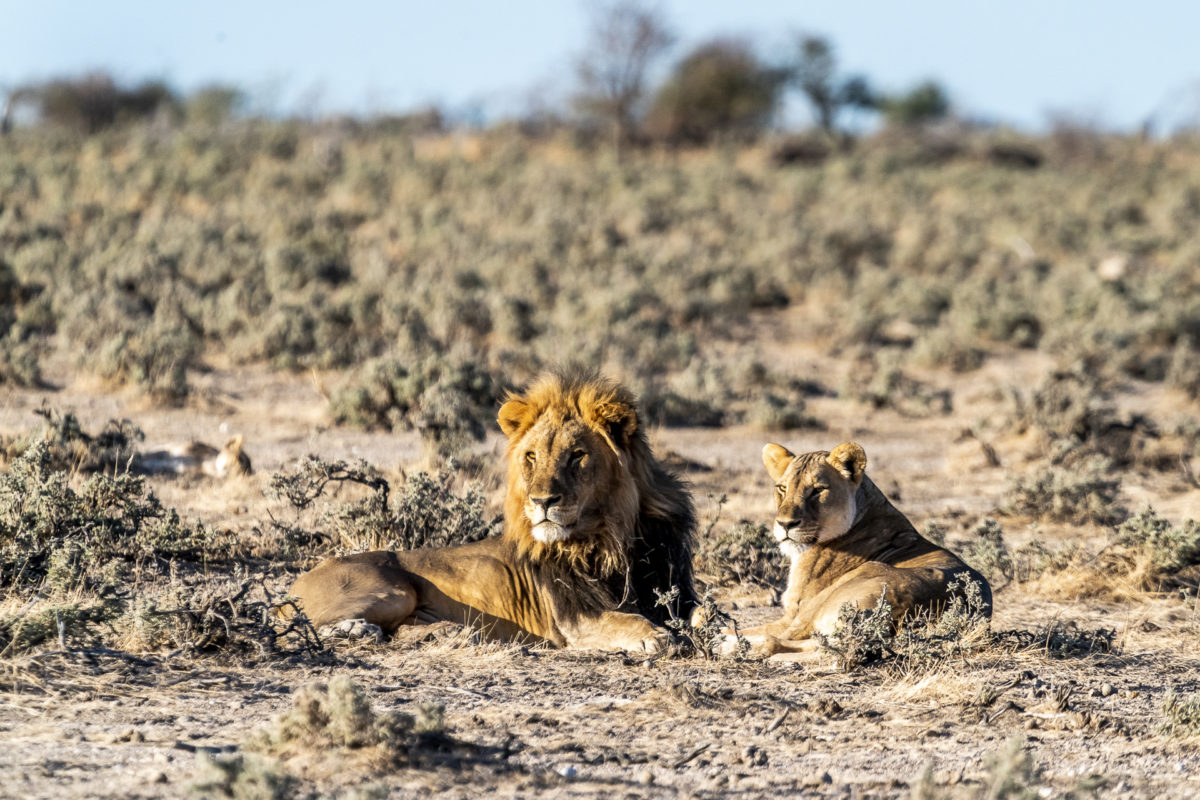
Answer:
(625, 39)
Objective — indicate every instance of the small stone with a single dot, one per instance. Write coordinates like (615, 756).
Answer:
(568, 771)
(645, 777)
(1106, 690)
(753, 756)
(157, 777)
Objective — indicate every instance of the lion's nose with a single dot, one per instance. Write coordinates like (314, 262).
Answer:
(546, 501)
(788, 524)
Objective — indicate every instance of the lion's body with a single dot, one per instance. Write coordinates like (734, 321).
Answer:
(849, 545)
(594, 529)
(198, 458)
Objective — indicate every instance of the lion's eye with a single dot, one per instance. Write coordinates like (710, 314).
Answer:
(578, 458)
(530, 457)
(781, 491)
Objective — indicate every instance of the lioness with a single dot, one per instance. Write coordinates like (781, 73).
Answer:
(198, 458)
(594, 527)
(847, 544)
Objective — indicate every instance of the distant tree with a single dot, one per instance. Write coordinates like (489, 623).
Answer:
(625, 39)
(814, 73)
(94, 102)
(923, 103)
(214, 104)
(720, 88)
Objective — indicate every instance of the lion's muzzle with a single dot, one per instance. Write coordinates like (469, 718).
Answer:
(548, 523)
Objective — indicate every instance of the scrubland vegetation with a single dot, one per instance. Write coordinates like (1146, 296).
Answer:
(420, 273)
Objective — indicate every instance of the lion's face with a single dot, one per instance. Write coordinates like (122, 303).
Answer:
(814, 494)
(567, 471)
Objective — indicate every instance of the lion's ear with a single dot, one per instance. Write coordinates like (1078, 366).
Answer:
(776, 459)
(849, 459)
(514, 417)
(618, 420)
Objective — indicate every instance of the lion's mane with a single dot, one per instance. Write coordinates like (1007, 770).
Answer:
(648, 534)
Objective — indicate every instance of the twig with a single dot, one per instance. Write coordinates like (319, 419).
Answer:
(779, 718)
(691, 755)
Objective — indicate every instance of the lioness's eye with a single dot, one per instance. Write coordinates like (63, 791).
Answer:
(530, 457)
(781, 491)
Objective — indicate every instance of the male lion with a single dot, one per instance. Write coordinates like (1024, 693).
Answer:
(594, 527)
(848, 544)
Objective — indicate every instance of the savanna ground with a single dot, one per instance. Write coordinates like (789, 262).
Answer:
(1008, 344)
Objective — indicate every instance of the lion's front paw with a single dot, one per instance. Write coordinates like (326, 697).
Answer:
(656, 644)
(352, 629)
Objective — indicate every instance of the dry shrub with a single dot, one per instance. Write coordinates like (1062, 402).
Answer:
(87, 539)
(924, 641)
(243, 777)
(741, 554)
(1011, 774)
(1082, 493)
(1144, 554)
(233, 618)
(338, 715)
(449, 401)
(73, 449)
(1182, 715)
(428, 512)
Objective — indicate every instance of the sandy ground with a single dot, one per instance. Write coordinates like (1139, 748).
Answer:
(561, 724)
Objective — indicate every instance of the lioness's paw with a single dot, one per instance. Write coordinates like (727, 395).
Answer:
(747, 646)
(352, 629)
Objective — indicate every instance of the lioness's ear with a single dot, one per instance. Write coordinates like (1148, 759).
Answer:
(849, 459)
(235, 444)
(776, 458)
(617, 419)
(514, 417)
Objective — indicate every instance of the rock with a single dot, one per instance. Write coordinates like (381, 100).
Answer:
(568, 771)
(1106, 690)
(753, 756)
(645, 777)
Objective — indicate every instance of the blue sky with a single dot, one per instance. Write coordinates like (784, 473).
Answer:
(1111, 62)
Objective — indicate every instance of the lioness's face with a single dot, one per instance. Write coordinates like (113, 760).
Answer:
(565, 466)
(814, 494)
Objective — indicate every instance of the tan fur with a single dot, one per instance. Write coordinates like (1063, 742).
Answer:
(847, 544)
(593, 526)
(198, 458)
